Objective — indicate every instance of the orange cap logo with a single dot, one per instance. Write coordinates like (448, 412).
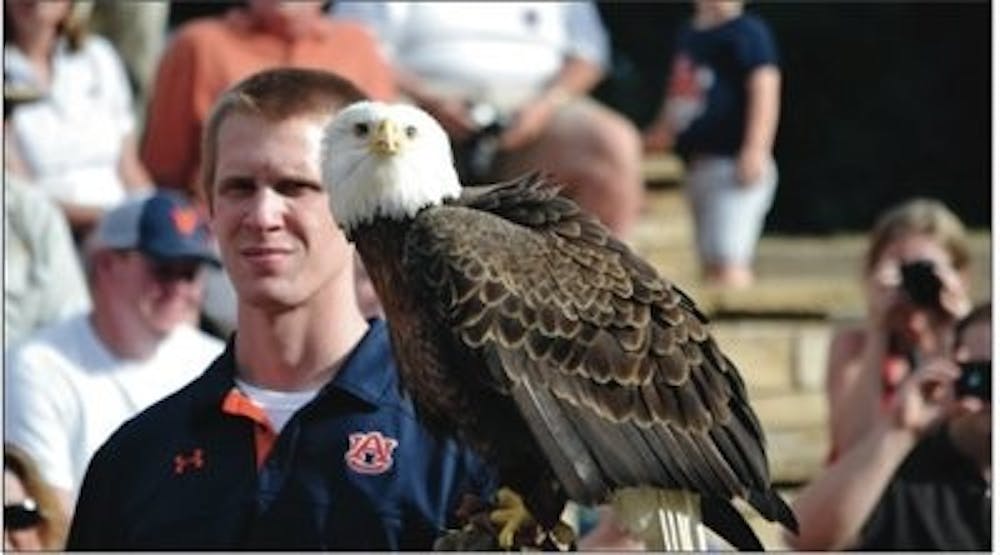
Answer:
(185, 220)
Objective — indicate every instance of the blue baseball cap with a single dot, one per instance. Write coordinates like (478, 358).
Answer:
(162, 225)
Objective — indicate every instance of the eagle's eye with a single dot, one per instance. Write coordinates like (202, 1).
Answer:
(360, 129)
(411, 131)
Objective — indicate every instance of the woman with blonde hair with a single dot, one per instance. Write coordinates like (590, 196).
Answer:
(33, 519)
(916, 285)
(77, 140)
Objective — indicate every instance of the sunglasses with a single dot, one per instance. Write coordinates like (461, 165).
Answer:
(21, 516)
(175, 271)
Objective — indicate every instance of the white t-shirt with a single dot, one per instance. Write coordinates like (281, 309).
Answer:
(501, 52)
(71, 139)
(66, 393)
(279, 406)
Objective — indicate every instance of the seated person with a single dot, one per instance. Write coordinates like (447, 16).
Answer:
(77, 141)
(208, 54)
(69, 385)
(868, 362)
(919, 479)
(530, 67)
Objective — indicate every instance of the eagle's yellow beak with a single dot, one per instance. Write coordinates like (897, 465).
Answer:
(387, 139)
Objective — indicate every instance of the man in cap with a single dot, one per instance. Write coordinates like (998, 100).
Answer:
(71, 384)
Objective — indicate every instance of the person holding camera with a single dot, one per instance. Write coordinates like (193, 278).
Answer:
(916, 285)
(920, 478)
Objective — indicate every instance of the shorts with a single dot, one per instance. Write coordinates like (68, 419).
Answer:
(728, 216)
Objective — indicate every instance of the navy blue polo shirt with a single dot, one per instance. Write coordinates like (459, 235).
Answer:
(354, 469)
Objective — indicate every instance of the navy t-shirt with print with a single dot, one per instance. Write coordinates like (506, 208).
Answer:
(707, 83)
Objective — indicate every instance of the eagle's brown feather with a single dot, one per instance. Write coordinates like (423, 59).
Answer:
(523, 277)
(523, 327)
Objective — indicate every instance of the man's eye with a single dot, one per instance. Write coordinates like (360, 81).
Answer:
(237, 187)
(360, 129)
(411, 131)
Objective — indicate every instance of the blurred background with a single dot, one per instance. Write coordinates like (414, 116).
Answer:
(881, 101)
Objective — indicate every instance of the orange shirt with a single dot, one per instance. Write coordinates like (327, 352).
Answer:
(207, 56)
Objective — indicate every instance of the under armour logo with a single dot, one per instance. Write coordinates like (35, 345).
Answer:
(194, 461)
(370, 452)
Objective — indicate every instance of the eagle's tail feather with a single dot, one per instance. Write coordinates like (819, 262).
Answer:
(772, 506)
(722, 518)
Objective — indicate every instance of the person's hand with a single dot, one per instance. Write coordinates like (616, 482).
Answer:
(528, 123)
(609, 535)
(657, 137)
(925, 396)
(954, 298)
(882, 293)
(452, 114)
(750, 165)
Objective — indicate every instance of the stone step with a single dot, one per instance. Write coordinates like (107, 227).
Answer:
(805, 276)
(662, 168)
(776, 356)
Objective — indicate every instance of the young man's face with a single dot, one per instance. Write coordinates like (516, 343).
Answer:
(278, 239)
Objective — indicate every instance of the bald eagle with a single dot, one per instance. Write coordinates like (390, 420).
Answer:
(521, 326)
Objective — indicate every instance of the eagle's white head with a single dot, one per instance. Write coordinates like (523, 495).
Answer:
(385, 160)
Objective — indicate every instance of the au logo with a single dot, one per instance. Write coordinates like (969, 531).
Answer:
(370, 452)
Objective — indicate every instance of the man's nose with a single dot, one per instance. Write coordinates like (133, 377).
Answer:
(266, 210)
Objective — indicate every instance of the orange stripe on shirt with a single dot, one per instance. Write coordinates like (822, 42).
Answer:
(264, 436)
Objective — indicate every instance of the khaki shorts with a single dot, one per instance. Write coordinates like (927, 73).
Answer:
(729, 217)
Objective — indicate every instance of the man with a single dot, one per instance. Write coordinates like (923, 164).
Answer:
(531, 65)
(209, 54)
(920, 479)
(299, 436)
(70, 385)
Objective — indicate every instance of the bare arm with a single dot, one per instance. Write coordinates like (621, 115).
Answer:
(13, 161)
(133, 174)
(576, 78)
(763, 105)
(853, 385)
(833, 508)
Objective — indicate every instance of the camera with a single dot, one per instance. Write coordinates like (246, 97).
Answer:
(974, 380)
(921, 284)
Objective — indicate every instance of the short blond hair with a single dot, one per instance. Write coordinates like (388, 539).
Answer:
(920, 216)
(276, 95)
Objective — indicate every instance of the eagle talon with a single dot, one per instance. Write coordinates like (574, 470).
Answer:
(562, 535)
(511, 515)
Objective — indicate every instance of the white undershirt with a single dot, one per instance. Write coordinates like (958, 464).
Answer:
(278, 405)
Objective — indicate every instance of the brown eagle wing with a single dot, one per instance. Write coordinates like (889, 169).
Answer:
(611, 365)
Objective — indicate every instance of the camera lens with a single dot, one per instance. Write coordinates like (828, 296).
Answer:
(921, 283)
